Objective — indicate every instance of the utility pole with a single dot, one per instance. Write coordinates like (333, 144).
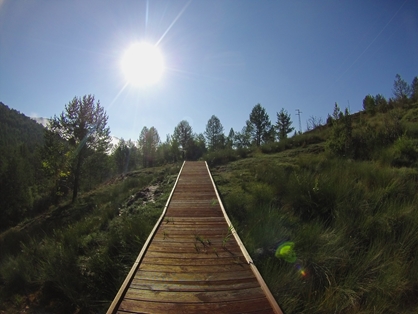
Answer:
(300, 125)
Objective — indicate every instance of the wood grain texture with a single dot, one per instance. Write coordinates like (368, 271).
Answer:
(194, 261)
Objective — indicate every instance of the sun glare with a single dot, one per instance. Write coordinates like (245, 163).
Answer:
(142, 64)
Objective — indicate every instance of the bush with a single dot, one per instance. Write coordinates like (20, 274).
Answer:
(224, 156)
(237, 204)
(300, 140)
(405, 152)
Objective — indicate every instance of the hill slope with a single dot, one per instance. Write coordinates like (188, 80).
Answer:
(328, 216)
(333, 231)
(17, 129)
(20, 140)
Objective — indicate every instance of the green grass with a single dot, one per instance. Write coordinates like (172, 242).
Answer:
(77, 261)
(353, 222)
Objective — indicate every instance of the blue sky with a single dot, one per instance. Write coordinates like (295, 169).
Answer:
(222, 57)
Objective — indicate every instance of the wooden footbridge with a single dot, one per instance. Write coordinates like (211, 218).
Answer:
(193, 260)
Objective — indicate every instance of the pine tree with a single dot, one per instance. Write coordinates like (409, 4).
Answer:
(259, 124)
(214, 133)
(401, 89)
(283, 125)
(369, 104)
(182, 134)
(148, 143)
(120, 156)
(230, 140)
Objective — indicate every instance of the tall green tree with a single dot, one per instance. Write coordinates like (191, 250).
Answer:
(148, 143)
(83, 124)
(120, 156)
(401, 89)
(230, 140)
(259, 124)
(369, 104)
(381, 103)
(283, 124)
(214, 133)
(196, 147)
(183, 133)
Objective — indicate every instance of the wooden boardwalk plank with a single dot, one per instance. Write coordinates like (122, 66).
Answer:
(193, 261)
(255, 306)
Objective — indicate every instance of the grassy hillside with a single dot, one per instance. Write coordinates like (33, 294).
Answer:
(73, 258)
(341, 198)
(351, 222)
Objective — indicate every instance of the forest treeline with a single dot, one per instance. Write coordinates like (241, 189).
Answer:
(40, 166)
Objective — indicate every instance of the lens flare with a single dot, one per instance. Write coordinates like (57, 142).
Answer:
(301, 271)
(286, 252)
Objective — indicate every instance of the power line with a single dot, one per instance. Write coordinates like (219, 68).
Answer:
(300, 125)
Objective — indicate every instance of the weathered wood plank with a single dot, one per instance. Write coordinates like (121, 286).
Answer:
(194, 255)
(198, 250)
(213, 260)
(193, 286)
(131, 306)
(194, 296)
(238, 266)
(211, 276)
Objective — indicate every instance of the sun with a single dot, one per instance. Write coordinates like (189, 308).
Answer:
(142, 64)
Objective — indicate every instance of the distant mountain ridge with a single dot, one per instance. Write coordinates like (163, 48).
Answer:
(17, 129)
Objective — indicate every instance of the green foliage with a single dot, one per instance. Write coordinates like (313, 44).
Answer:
(243, 139)
(381, 103)
(372, 136)
(299, 140)
(148, 142)
(22, 184)
(405, 152)
(214, 133)
(353, 221)
(83, 124)
(340, 141)
(283, 124)
(225, 156)
(353, 224)
(259, 125)
(85, 252)
(369, 104)
(183, 134)
(401, 89)
(124, 156)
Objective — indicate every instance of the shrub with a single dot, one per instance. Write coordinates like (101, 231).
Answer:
(237, 204)
(405, 152)
(224, 156)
